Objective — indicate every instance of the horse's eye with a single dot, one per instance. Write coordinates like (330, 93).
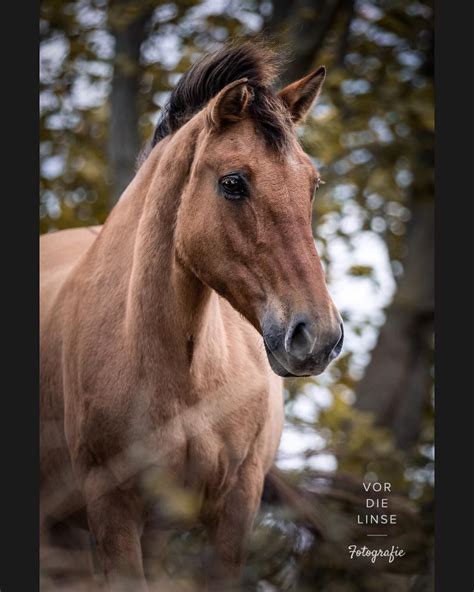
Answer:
(233, 186)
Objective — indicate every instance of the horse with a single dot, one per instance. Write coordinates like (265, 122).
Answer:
(165, 333)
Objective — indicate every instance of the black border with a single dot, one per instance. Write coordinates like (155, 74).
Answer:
(19, 471)
(19, 412)
(454, 164)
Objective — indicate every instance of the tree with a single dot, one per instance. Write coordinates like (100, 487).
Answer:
(127, 22)
(303, 27)
(397, 383)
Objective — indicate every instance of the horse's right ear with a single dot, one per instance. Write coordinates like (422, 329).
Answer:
(231, 104)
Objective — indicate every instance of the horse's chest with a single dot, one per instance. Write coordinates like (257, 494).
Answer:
(213, 459)
(207, 442)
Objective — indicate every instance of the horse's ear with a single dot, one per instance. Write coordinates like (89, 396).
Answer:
(231, 104)
(300, 96)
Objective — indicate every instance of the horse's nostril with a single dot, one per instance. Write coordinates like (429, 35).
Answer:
(303, 342)
(299, 342)
(336, 350)
(299, 338)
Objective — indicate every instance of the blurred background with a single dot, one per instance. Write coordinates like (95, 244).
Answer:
(106, 70)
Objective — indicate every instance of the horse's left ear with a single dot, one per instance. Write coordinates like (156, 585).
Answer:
(300, 96)
(230, 104)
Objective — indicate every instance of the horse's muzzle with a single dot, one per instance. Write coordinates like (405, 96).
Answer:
(303, 347)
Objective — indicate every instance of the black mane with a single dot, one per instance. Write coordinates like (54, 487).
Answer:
(212, 73)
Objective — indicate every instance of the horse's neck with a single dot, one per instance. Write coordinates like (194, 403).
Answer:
(166, 309)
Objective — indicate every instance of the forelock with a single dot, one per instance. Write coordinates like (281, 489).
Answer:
(209, 75)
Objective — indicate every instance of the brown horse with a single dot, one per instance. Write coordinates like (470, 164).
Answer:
(153, 326)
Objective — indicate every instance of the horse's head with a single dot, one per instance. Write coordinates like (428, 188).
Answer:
(244, 223)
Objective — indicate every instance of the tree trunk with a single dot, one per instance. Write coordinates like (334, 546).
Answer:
(301, 27)
(127, 25)
(396, 384)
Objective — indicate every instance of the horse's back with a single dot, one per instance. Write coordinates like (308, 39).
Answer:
(59, 252)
